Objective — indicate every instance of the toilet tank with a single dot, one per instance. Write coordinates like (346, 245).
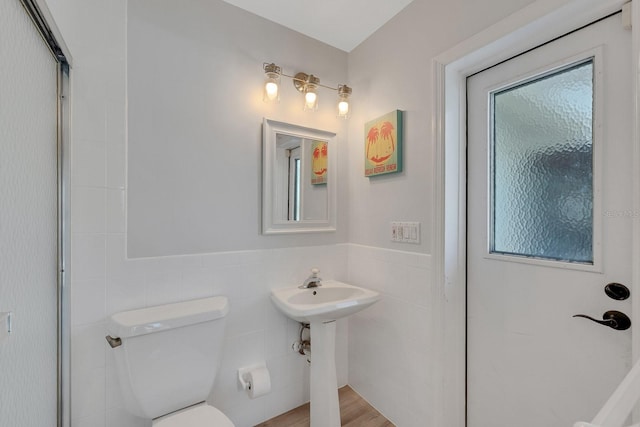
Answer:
(170, 354)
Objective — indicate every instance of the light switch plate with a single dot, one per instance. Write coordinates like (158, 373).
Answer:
(405, 232)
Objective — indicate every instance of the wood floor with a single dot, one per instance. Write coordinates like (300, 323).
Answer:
(354, 412)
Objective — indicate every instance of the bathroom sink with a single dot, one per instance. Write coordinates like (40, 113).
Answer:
(320, 306)
(328, 302)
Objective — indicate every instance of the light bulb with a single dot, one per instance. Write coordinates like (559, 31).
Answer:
(310, 99)
(310, 93)
(343, 108)
(271, 91)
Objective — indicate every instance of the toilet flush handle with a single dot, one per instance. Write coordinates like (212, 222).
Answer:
(114, 342)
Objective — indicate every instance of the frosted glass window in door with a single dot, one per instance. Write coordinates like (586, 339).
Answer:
(542, 167)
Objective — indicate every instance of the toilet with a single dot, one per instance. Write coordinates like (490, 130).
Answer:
(167, 358)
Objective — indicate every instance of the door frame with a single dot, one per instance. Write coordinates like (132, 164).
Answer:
(538, 23)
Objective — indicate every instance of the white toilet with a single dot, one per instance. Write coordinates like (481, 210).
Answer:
(167, 358)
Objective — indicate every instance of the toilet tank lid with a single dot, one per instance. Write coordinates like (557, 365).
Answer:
(162, 317)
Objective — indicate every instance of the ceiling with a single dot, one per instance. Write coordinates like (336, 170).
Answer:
(339, 23)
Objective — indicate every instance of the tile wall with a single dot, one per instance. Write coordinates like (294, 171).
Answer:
(392, 345)
(255, 330)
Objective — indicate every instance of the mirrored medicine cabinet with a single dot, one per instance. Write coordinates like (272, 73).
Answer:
(298, 179)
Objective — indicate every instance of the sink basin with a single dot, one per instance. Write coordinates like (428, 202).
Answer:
(328, 302)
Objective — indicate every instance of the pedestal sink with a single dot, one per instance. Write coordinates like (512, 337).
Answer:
(320, 307)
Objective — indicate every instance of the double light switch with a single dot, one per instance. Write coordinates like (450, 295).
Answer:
(405, 232)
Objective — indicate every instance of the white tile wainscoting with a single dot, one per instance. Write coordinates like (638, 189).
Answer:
(393, 348)
(256, 331)
(385, 352)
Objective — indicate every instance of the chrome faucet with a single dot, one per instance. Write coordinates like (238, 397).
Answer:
(312, 281)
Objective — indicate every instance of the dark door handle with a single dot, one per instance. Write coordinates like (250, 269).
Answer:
(612, 318)
(617, 291)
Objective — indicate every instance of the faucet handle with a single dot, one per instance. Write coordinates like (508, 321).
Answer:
(312, 281)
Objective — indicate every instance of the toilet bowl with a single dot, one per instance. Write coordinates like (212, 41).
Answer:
(196, 416)
(167, 358)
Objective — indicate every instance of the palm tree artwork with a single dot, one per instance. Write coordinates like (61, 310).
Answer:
(319, 151)
(383, 144)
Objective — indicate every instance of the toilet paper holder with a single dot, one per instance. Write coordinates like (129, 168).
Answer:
(243, 380)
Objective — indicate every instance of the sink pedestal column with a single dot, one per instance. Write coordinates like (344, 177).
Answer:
(325, 407)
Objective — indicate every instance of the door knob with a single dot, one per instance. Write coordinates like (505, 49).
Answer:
(612, 318)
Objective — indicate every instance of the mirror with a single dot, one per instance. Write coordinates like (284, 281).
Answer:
(298, 179)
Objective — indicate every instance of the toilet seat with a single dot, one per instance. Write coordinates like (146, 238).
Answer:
(197, 416)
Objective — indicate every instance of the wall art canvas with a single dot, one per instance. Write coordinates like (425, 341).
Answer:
(319, 162)
(383, 144)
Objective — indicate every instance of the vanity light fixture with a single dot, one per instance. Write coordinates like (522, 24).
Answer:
(308, 85)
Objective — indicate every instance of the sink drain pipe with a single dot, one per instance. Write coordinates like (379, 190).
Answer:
(303, 345)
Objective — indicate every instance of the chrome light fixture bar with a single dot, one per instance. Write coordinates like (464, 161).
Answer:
(307, 84)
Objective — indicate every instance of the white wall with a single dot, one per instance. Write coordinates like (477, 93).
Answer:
(104, 281)
(195, 112)
(390, 70)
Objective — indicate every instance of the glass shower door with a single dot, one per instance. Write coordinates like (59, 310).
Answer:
(28, 221)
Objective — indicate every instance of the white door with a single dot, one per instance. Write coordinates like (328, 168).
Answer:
(28, 222)
(549, 225)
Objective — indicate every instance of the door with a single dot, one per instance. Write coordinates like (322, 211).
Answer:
(28, 222)
(549, 225)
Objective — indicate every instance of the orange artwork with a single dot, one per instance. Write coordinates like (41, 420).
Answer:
(383, 144)
(319, 162)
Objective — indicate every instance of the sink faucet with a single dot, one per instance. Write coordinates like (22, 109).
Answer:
(312, 281)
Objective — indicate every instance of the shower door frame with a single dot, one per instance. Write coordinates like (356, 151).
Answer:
(43, 20)
(64, 250)
(538, 23)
